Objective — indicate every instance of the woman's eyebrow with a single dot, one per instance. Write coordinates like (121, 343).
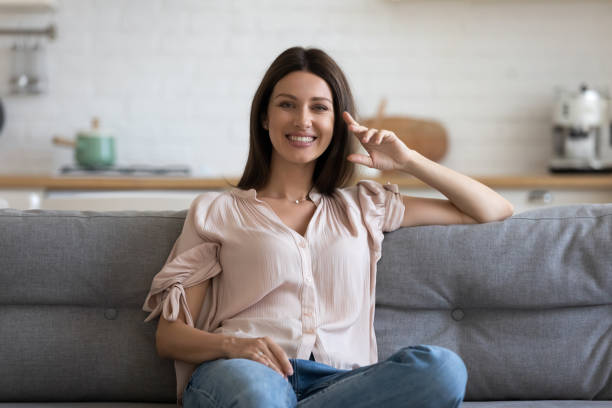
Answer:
(315, 98)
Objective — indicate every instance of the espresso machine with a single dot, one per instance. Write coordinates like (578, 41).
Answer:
(582, 132)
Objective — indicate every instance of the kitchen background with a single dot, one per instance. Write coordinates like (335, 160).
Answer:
(174, 79)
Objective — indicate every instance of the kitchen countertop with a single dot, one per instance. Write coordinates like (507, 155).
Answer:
(526, 181)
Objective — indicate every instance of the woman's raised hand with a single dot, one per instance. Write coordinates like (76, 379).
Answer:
(263, 350)
(386, 151)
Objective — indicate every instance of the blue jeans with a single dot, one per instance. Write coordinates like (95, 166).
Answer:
(419, 376)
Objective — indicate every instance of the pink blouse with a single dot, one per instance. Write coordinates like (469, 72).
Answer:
(311, 293)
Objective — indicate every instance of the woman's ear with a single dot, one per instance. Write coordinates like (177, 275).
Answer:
(264, 123)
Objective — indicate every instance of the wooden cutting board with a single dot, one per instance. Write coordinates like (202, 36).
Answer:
(426, 136)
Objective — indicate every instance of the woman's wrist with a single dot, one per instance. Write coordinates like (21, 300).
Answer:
(228, 345)
(411, 161)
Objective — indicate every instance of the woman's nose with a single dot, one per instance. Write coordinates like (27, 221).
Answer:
(303, 118)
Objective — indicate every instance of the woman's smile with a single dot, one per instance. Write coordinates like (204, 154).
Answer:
(299, 139)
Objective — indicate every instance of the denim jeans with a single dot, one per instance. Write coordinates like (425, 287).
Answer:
(418, 376)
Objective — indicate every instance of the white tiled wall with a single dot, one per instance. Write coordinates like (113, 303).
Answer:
(175, 78)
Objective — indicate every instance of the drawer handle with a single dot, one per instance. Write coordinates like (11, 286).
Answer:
(540, 197)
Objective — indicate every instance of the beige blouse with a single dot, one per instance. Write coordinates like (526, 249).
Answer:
(311, 293)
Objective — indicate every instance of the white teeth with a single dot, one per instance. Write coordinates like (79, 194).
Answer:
(305, 139)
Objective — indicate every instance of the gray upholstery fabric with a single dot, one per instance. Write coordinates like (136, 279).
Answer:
(525, 302)
(73, 284)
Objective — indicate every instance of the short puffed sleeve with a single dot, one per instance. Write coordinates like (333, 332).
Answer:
(381, 207)
(194, 258)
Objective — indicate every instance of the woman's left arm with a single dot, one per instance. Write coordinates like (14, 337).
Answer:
(469, 201)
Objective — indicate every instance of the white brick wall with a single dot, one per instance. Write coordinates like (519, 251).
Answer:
(175, 78)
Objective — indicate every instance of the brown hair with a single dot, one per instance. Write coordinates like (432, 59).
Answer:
(332, 170)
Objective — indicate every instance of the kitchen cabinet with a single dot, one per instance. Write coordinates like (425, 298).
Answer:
(118, 200)
(22, 199)
(530, 199)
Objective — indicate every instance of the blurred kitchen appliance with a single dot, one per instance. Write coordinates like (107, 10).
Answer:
(582, 132)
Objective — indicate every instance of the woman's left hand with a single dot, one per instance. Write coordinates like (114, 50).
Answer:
(386, 151)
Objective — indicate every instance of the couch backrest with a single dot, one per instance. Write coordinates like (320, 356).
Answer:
(525, 302)
(72, 285)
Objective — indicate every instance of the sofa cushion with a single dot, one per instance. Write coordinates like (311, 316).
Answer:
(525, 302)
(73, 284)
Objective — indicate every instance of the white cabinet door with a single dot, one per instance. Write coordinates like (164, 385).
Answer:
(20, 199)
(119, 200)
(524, 200)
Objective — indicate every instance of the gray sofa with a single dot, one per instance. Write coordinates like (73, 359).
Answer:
(526, 302)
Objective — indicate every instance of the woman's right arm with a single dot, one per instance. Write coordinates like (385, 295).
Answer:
(179, 341)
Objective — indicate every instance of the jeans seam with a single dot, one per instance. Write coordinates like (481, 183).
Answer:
(205, 394)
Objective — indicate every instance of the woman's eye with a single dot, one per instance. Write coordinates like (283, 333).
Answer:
(321, 107)
(284, 104)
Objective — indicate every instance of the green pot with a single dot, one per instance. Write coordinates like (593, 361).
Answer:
(93, 149)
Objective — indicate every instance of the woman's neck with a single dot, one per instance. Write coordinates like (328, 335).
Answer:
(288, 180)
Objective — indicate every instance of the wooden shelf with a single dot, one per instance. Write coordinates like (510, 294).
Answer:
(11, 181)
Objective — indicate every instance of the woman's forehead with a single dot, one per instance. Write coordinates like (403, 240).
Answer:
(303, 85)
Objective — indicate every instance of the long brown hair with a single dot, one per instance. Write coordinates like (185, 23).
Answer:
(332, 170)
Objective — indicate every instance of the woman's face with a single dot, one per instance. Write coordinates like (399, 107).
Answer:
(300, 118)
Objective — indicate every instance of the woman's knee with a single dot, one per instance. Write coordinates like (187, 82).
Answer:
(238, 382)
(437, 362)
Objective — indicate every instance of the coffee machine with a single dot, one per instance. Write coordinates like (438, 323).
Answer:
(582, 132)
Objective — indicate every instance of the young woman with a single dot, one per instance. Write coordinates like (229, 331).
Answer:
(267, 297)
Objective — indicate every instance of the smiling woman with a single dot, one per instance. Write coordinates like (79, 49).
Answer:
(269, 290)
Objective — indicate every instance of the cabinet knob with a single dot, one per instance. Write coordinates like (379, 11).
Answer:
(540, 197)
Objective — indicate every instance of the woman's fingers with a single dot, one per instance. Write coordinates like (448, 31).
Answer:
(264, 358)
(368, 135)
(352, 123)
(281, 357)
(360, 159)
(365, 135)
(349, 119)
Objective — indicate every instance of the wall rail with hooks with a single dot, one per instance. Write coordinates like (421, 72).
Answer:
(50, 31)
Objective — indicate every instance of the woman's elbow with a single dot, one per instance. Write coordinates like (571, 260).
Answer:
(499, 213)
(505, 211)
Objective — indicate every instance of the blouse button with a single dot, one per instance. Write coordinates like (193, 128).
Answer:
(303, 244)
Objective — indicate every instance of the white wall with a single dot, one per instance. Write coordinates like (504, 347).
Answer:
(175, 78)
